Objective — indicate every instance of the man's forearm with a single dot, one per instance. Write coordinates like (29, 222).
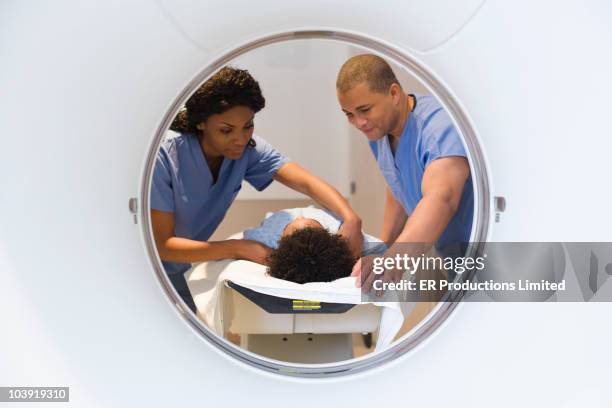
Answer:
(428, 221)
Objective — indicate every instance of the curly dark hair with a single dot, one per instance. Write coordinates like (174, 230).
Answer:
(226, 89)
(311, 255)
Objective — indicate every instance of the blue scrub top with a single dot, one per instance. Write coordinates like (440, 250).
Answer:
(183, 185)
(428, 135)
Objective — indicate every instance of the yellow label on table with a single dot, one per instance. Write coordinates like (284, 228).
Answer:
(306, 304)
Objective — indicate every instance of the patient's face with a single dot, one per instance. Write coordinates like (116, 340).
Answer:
(300, 223)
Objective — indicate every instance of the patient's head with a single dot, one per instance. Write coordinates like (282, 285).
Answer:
(311, 254)
(300, 223)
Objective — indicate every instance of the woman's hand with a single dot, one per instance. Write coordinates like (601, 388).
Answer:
(351, 230)
(252, 251)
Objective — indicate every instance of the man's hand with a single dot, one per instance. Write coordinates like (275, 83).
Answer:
(351, 231)
(363, 270)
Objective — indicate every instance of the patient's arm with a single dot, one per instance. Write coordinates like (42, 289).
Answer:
(176, 249)
(394, 219)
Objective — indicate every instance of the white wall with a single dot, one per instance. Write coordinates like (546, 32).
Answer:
(302, 117)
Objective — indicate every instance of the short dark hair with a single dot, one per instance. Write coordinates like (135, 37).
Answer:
(311, 255)
(366, 68)
(226, 89)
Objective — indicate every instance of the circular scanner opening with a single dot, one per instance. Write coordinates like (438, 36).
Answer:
(418, 331)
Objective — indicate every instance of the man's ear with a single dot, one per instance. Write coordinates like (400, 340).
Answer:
(395, 91)
(201, 126)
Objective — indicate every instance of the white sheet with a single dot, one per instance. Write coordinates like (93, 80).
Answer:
(206, 281)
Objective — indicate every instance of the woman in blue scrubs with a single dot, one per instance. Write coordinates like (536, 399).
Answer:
(199, 171)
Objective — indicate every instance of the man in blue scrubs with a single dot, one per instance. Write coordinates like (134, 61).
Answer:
(429, 197)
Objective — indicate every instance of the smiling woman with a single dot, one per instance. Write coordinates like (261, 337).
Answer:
(199, 171)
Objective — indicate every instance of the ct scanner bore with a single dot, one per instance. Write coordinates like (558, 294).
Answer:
(84, 89)
(479, 229)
